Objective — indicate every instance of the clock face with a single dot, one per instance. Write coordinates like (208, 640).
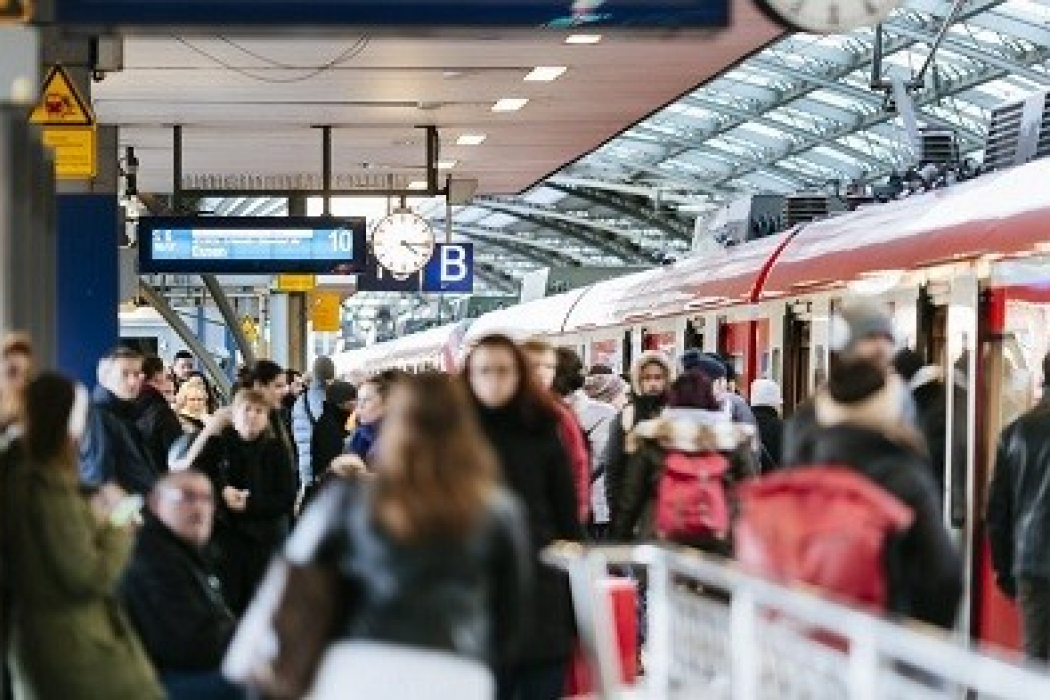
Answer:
(830, 16)
(403, 243)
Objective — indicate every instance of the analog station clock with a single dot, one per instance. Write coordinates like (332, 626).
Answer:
(402, 243)
(829, 16)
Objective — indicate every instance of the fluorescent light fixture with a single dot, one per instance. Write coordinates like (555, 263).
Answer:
(447, 164)
(471, 139)
(509, 104)
(417, 185)
(583, 39)
(545, 74)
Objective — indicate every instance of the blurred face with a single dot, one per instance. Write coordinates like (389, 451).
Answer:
(184, 367)
(653, 379)
(14, 371)
(720, 387)
(544, 364)
(493, 376)
(297, 386)
(164, 384)
(274, 391)
(250, 420)
(370, 405)
(187, 506)
(396, 423)
(196, 403)
(879, 349)
(124, 378)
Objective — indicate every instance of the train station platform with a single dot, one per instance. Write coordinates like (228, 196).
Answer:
(716, 633)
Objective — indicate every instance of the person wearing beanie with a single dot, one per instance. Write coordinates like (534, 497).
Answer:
(767, 401)
(717, 371)
(305, 413)
(651, 376)
(862, 424)
(859, 329)
(1018, 530)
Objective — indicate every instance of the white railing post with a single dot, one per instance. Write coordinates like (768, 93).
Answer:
(863, 662)
(743, 642)
(658, 622)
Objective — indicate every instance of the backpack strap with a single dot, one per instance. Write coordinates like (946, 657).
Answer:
(309, 411)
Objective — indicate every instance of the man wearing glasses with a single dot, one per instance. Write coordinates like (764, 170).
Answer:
(172, 595)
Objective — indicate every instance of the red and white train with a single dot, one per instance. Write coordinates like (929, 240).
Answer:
(965, 270)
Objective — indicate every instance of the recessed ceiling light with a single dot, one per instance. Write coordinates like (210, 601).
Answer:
(471, 140)
(583, 39)
(545, 74)
(447, 164)
(509, 104)
(417, 185)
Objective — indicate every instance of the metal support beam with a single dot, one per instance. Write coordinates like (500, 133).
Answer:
(523, 248)
(229, 316)
(176, 168)
(631, 209)
(326, 170)
(158, 302)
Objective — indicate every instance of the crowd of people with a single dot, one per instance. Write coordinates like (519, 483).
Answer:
(142, 518)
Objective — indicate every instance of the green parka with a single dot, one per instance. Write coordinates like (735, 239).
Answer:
(69, 638)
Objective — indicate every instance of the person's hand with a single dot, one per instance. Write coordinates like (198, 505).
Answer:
(105, 500)
(348, 467)
(236, 499)
(218, 421)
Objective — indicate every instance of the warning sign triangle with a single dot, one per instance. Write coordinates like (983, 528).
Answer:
(60, 103)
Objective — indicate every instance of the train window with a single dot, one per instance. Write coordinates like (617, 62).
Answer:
(694, 335)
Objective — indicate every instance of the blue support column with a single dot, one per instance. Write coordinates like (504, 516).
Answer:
(88, 282)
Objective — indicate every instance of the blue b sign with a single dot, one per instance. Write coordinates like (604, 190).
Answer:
(449, 270)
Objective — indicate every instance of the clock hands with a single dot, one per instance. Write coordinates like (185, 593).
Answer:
(416, 247)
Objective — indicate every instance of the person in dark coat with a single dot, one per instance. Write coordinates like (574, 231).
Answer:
(862, 423)
(113, 449)
(860, 329)
(253, 475)
(371, 406)
(651, 376)
(172, 595)
(158, 423)
(329, 435)
(522, 423)
(270, 380)
(1018, 529)
(767, 401)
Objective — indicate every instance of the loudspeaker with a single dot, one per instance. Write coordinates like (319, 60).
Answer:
(461, 190)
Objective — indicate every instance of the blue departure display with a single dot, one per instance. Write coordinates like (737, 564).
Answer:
(402, 13)
(251, 245)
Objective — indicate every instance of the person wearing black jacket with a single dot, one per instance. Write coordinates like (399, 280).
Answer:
(434, 550)
(521, 422)
(329, 436)
(157, 422)
(112, 448)
(254, 478)
(1018, 529)
(862, 424)
(171, 594)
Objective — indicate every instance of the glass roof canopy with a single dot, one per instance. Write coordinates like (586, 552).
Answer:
(797, 115)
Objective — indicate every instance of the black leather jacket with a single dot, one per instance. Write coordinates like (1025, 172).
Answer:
(463, 597)
(1019, 501)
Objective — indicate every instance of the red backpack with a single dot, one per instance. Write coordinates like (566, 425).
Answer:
(691, 498)
(821, 526)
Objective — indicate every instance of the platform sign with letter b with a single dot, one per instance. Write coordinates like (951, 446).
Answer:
(451, 269)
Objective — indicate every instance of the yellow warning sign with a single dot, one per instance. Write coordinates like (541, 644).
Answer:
(75, 151)
(69, 126)
(325, 311)
(296, 283)
(250, 328)
(60, 103)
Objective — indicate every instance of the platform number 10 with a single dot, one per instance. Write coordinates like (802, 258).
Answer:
(342, 240)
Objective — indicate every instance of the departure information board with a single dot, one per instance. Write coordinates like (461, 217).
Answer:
(402, 13)
(251, 245)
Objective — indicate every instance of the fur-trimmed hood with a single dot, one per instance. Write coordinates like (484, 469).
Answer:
(883, 411)
(692, 430)
(646, 358)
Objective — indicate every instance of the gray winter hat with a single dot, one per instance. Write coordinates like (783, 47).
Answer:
(859, 320)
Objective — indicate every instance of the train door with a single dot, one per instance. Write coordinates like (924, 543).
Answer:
(798, 340)
(1014, 340)
(627, 349)
(744, 342)
(694, 334)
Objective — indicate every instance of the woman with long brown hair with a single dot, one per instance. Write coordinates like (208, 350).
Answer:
(522, 422)
(69, 638)
(434, 550)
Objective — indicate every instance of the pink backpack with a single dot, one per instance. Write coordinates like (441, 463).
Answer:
(691, 499)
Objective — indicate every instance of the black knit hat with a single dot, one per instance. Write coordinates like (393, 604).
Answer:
(854, 380)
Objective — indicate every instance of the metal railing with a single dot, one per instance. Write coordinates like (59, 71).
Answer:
(714, 633)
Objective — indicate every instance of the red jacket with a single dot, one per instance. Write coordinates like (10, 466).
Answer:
(576, 447)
